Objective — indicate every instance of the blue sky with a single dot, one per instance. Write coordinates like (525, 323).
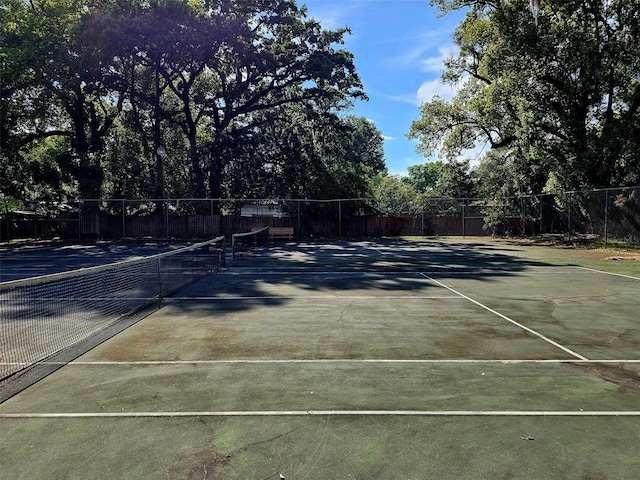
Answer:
(399, 47)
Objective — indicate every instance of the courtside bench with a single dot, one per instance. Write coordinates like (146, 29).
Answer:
(278, 232)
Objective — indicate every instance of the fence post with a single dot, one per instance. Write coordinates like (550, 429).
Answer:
(123, 220)
(298, 229)
(464, 223)
(570, 218)
(213, 233)
(540, 212)
(340, 219)
(522, 216)
(166, 218)
(79, 219)
(606, 216)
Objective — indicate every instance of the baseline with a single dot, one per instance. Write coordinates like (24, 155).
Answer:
(292, 413)
(329, 360)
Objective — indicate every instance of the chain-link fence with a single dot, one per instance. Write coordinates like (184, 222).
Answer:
(606, 214)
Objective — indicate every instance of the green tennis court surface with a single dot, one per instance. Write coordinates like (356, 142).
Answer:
(360, 360)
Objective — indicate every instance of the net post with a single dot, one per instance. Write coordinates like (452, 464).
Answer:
(248, 240)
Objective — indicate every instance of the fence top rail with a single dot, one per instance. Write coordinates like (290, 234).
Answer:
(100, 268)
(361, 199)
(262, 200)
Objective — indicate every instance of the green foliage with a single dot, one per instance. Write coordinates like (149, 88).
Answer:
(559, 97)
(395, 197)
(211, 82)
(300, 154)
(424, 178)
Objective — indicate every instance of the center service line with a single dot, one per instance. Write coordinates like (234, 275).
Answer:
(489, 309)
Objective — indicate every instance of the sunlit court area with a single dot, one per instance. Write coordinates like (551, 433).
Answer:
(466, 358)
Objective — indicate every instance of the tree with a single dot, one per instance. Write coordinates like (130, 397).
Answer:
(456, 180)
(216, 71)
(424, 177)
(558, 98)
(57, 81)
(299, 153)
(223, 63)
(395, 197)
(351, 154)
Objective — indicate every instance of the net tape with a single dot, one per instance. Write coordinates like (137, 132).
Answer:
(245, 242)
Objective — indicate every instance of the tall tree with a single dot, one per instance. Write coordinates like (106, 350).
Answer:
(297, 153)
(221, 63)
(62, 84)
(351, 154)
(558, 96)
(280, 58)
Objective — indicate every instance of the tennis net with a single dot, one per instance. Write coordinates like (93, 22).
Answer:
(43, 317)
(245, 242)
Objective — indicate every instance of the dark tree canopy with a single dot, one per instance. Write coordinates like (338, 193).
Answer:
(92, 91)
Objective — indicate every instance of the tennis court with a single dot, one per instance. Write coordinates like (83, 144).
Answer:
(443, 359)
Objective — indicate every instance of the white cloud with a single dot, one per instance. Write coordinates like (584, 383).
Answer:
(410, 99)
(411, 57)
(430, 88)
(333, 15)
(398, 173)
(436, 64)
(432, 64)
(420, 57)
(427, 91)
(475, 154)
(387, 137)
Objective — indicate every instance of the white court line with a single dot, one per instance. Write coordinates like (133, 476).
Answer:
(608, 273)
(489, 309)
(308, 272)
(320, 297)
(369, 246)
(302, 413)
(328, 361)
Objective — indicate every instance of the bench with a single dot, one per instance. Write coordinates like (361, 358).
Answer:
(278, 232)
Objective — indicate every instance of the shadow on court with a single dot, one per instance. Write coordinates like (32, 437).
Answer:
(25, 260)
(363, 360)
